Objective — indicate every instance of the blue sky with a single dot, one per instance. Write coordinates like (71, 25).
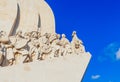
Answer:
(97, 23)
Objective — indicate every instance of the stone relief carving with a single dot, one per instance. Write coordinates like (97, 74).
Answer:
(29, 34)
(31, 46)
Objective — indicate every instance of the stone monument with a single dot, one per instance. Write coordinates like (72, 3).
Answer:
(31, 50)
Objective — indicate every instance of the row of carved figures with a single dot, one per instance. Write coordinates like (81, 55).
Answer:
(32, 46)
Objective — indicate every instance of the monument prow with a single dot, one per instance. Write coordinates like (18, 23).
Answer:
(31, 50)
(67, 69)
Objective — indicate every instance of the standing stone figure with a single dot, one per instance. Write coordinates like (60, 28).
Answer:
(20, 48)
(55, 45)
(34, 49)
(31, 46)
(1, 54)
(77, 44)
(45, 51)
(4, 40)
(10, 54)
(64, 42)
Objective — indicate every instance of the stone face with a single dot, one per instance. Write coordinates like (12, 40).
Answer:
(68, 69)
(8, 13)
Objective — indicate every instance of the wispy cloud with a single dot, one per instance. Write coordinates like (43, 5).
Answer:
(94, 77)
(110, 81)
(118, 54)
(110, 52)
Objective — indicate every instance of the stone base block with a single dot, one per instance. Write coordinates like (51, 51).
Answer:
(70, 68)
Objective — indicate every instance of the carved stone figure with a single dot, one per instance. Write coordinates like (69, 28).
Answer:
(63, 42)
(19, 34)
(10, 55)
(31, 46)
(77, 44)
(68, 49)
(1, 58)
(1, 54)
(20, 55)
(55, 45)
(3, 37)
(27, 34)
(75, 37)
(45, 51)
(4, 61)
(34, 49)
(34, 34)
(39, 34)
(52, 38)
(19, 50)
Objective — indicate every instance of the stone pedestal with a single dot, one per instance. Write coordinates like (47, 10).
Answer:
(64, 69)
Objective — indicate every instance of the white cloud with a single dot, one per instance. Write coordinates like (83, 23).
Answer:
(95, 77)
(110, 53)
(118, 54)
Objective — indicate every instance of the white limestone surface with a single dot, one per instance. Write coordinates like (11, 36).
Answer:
(70, 68)
(36, 14)
(46, 16)
(28, 16)
(8, 13)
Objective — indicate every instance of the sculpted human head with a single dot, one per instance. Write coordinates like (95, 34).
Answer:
(58, 36)
(74, 33)
(19, 32)
(63, 36)
(2, 33)
(34, 34)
